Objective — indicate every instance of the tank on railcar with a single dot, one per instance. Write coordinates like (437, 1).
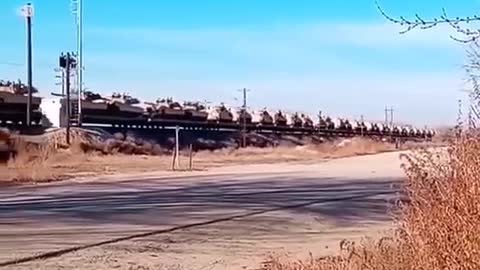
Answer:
(14, 100)
(348, 124)
(396, 130)
(368, 126)
(420, 133)
(377, 127)
(361, 126)
(411, 132)
(167, 108)
(241, 115)
(325, 123)
(384, 129)
(219, 114)
(430, 133)
(425, 133)
(356, 125)
(342, 124)
(295, 120)
(195, 111)
(94, 104)
(280, 118)
(322, 122)
(405, 131)
(307, 121)
(124, 106)
(262, 118)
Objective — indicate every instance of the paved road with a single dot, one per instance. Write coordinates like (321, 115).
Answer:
(316, 205)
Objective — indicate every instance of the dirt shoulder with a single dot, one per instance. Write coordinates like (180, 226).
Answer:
(47, 165)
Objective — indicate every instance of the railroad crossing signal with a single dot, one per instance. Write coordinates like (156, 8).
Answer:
(62, 61)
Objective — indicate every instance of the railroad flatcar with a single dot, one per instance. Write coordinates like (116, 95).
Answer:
(14, 100)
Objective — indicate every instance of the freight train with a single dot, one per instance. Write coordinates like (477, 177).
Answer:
(123, 108)
(14, 100)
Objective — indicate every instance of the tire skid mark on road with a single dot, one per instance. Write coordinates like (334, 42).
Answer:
(60, 252)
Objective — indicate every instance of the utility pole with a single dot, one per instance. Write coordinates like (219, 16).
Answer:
(67, 71)
(362, 124)
(386, 116)
(67, 62)
(80, 59)
(27, 12)
(243, 116)
(388, 111)
(77, 10)
(391, 117)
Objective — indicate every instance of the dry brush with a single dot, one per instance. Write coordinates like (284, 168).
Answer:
(437, 222)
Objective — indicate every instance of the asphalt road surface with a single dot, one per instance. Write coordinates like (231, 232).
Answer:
(238, 215)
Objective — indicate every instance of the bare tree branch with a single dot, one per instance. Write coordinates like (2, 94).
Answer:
(472, 69)
(470, 35)
(419, 22)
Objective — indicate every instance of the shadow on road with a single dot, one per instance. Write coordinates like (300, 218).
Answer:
(153, 202)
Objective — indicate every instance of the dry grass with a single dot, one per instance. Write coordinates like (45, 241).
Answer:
(30, 163)
(438, 223)
(335, 149)
(35, 163)
(40, 163)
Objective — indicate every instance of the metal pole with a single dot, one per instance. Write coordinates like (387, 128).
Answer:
(177, 146)
(67, 107)
(80, 59)
(320, 121)
(386, 116)
(63, 83)
(244, 117)
(190, 156)
(29, 64)
(362, 124)
(391, 117)
(173, 160)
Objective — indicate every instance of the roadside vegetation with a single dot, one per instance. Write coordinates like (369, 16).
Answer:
(436, 221)
(52, 159)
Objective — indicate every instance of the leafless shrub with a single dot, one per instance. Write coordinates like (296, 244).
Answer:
(30, 163)
(437, 224)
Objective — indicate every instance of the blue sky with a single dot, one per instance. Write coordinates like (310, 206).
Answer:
(302, 55)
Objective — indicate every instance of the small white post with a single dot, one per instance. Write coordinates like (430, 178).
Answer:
(177, 147)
